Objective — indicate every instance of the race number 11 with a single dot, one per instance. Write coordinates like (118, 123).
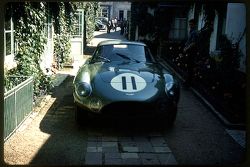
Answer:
(124, 83)
(128, 82)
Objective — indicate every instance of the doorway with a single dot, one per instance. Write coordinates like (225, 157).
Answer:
(121, 15)
(77, 39)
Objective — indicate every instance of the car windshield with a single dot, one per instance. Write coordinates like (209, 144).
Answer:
(123, 52)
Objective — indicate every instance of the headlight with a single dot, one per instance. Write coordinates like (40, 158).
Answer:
(169, 88)
(83, 89)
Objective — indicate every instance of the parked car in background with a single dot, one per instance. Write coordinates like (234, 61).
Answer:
(99, 25)
(123, 79)
(104, 20)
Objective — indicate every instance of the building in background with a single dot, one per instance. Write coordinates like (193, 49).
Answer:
(226, 22)
(220, 60)
(121, 10)
(171, 20)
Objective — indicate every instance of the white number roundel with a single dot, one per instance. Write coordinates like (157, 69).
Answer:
(128, 82)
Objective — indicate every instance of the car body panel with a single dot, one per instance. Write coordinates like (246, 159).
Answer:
(99, 25)
(123, 82)
(104, 20)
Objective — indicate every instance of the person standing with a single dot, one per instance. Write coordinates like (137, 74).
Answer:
(191, 50)
(108, 26)
(115, 23)
(112, 24)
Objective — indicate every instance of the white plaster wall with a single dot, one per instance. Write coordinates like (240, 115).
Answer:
(9, 62)
(125, 6)
(76, 47)
(190, 16)
(116, 6)
(191, 12)
(111, 7)
(201, 21)
(235, 25)
(214, 33)
(47, 56)
(111, 10)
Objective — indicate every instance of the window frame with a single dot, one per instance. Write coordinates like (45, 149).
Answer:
(79, 25)
(12, 42)
(175, 32)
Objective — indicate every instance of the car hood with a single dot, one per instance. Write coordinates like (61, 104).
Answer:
(114, 81)
(108, 71)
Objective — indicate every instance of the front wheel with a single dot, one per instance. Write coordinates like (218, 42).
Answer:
(167, 114)
(81, 116)
(171, 117)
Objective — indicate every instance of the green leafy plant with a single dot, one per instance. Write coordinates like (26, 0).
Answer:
(63, 16)
(90, 9)
(29, 21)
(30, 37)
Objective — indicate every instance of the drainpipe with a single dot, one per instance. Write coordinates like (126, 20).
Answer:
(84, 32)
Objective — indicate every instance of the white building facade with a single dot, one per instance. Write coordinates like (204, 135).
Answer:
(235, 28)
(231, 22)
(121, 10)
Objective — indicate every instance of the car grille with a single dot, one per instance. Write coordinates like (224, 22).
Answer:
(128, 109)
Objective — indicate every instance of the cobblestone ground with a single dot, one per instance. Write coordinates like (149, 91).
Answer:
(120, 143)
(51, 136)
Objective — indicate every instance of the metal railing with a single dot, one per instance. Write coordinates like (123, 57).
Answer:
(18, 104)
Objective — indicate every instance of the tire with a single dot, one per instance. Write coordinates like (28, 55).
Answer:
(81, 116)
(172, 117)
(169, 116)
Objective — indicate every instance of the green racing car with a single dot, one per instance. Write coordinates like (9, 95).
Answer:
(121, 79)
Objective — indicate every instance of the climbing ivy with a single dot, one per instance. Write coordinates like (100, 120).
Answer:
(90, 15)
(30, 39)
(62, 13)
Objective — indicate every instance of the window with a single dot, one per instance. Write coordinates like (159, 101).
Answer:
(9, 44)
(78, 26)
(48, 25)
(104, 13)
(121, 14)
(9, 38)
(221, 29)
(178, 29)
